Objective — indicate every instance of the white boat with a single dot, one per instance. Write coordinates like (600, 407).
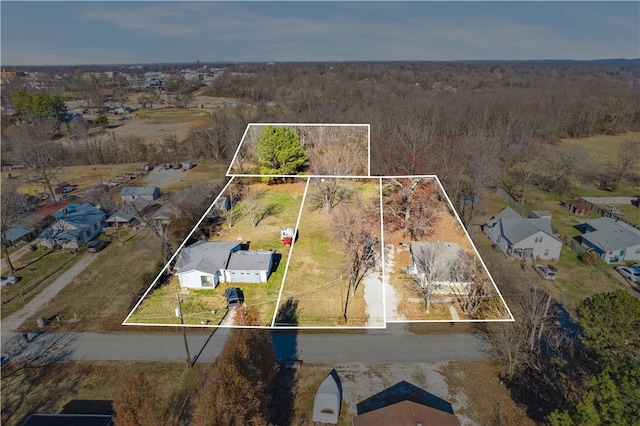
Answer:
(326, 404)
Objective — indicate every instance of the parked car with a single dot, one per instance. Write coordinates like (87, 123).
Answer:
(548, 272)
(234, 297)
(8, 280)
(97, 245)
(636, 266)
(68, 189)
(629, 273)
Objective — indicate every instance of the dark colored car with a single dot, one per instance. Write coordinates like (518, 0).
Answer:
(234, 297)
(97, 245)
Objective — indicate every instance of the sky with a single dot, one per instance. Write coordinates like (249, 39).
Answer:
(85, 32)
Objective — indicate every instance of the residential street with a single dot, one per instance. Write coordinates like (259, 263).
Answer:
(317, 348)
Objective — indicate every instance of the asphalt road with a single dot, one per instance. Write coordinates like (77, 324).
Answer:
(316, 348)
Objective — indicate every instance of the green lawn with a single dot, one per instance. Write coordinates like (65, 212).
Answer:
(198, 305)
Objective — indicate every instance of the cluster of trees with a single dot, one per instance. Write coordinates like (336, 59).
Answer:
(412, 206)
(562, 372)
(237, 389)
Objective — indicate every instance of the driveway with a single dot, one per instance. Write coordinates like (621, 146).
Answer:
(12, 322)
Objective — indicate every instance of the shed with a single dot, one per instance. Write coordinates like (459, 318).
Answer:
(187, 164)
(19, 233)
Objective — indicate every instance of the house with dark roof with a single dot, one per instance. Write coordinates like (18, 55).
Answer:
(612, 240)
(75, 225)
(208, 263)
(520, 238)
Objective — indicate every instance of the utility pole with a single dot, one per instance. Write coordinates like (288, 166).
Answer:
(184, 333)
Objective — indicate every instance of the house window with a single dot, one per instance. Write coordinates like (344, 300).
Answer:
(206, 280)
(95, 226)
(546, 252)
(538, 239)
(498, 239)
(637, 250)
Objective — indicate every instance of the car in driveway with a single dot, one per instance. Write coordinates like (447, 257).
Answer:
(234, 297)
(548, 272)
(7, 280)
(97, 245)
(629, 273)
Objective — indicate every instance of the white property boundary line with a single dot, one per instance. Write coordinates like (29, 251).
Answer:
(244, 135)
(382, 231)
(308, 179)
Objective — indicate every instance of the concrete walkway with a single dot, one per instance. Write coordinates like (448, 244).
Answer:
(13, 321)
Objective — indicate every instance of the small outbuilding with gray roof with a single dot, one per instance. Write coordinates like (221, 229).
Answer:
(521, 238)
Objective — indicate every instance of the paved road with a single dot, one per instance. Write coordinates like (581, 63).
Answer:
(319, 348)
(12, 322)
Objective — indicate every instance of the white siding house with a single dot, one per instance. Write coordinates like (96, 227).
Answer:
(521, 238)
(612, 240)
(208, 263)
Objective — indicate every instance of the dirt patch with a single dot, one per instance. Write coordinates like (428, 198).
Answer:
(152, 132)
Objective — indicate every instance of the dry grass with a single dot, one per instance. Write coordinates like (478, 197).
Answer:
(317, 276)
(85, 387)
(487, 401)
(101, 295)
(171, 115)
(602, 149)
(86, 176)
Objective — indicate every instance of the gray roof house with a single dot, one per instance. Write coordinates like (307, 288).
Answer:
(131, 193)
(439, 264)
(208, 263)
(521, 238)
(612, 240)
(76, 225)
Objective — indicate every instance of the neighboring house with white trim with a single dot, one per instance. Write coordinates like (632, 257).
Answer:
(205, 264)
(75, 225)
(612, 240)
(520, 238)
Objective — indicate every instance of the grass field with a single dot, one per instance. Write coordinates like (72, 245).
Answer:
(283, 202)
(602, 149)
(102, 295)
(171, 115)
(37, 270)
(86, 176)
(317, 279)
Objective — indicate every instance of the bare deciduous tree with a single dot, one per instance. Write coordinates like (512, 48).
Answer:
(39, 152)
(10, 206)
(360, 244)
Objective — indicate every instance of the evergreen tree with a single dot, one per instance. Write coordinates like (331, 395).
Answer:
(279, 152)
